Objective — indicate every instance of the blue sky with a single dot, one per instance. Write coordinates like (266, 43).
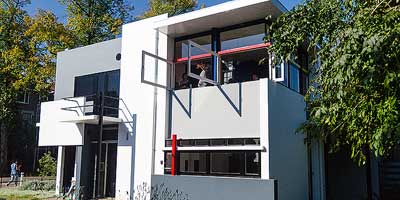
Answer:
(140, 6)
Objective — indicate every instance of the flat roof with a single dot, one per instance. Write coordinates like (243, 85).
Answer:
(219, 16)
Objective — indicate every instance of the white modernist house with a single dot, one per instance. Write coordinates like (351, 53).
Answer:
(120, 104)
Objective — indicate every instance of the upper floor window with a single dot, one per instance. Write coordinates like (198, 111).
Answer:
(23, 97)
(242, 49)
(243, 37)
(236, 56)
(201, 60)
(105, 82)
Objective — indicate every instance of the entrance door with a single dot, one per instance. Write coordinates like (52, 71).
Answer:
(107, 168)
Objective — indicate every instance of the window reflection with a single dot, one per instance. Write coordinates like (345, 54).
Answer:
(294, 75)
(243, 37)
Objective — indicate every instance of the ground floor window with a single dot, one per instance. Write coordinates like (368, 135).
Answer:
(216, 163)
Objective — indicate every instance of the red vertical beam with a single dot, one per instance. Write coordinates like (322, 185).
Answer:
(173, 161)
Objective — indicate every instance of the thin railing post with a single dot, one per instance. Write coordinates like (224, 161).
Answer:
(100, 126)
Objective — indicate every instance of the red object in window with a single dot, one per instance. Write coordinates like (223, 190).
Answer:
(246, 48)
(173, 161)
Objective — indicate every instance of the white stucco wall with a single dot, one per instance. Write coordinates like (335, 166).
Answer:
(135, 152)
(216, 188)
(53, 131)
(229, 112)
(95, 58)
(287, 150)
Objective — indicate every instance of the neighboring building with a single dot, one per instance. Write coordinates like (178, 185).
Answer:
(236, 133)
(22, 141)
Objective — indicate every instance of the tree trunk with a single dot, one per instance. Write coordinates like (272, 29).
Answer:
(3, 148)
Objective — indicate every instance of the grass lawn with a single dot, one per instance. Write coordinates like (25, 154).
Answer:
(16, 194)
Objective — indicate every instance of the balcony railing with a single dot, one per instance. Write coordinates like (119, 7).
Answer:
(93, 104)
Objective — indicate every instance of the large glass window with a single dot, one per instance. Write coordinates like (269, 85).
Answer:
(226, 163)
(105, 82)
(242, 50)
(243, 55)
(243, 37)
(93, 84)
(216, 163)
(193, 163)
(182, 48)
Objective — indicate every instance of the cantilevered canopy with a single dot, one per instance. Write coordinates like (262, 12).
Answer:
(93, 119)
(219, 16)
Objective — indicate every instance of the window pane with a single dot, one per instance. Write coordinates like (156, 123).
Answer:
(236, 141)
(226, 162)
(181, 48)
(85, 85)
(167, 163)
(294, 77)
(304, 82)
(193, 162)
(255, 141)
(218, 142)
(186, 143)
(242, 37)
(253, 163)
(201, 142)
(112, 87)
(244, 66)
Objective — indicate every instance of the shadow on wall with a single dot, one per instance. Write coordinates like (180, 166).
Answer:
(188, 108)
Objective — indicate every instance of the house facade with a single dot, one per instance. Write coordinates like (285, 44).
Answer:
(190, 102)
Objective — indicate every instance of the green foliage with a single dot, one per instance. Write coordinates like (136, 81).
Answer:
(47, 185)
(47, 165)
(93, 21)
(354, 97)
(28, 47)
(18, 194)
(172, 7)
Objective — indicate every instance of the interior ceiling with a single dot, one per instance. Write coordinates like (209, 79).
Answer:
(217, 20)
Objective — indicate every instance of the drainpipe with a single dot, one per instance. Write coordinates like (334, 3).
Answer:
(154, 134)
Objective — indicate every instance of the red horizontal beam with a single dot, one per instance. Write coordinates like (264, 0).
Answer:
(196, 57)
(245, 48)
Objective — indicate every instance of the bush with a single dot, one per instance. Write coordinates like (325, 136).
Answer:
(47, 165)
(48, 185)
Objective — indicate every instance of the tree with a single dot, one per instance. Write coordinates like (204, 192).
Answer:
(354, 96)
(93, 21)
(47, 165)
(28, 48)
(172, 7)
